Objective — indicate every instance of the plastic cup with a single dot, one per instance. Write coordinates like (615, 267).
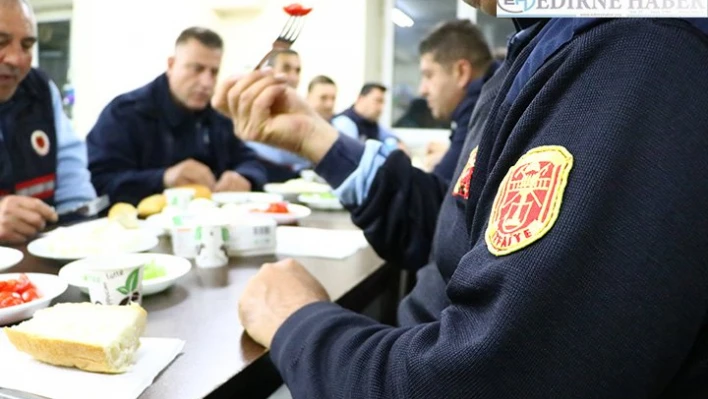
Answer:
(116, 284)
(179, 198)
(212, 240)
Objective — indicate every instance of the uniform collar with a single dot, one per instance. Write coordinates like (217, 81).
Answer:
(173, 112)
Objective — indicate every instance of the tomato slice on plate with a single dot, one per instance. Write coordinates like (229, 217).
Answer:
(23, 284)
(296, 10)
(30, 295)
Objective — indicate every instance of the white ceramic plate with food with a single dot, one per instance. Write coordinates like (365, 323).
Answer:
(161, 270)
(282, 213)
(296, 186)
(9, 257)
(77, 243)
(47, 287)
(326, 202)
(233, 197)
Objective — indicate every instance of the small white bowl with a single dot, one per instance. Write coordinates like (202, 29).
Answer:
(175, 267)
(48, 286)
(9, 257)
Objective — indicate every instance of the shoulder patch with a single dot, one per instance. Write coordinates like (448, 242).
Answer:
(462, 187)
(529, 199)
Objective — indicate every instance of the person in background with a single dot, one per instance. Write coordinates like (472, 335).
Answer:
(570, 254)
(42, 161)
(166, 134)
(282, 165)
(455, 62)
(361, 120)
(322, 95)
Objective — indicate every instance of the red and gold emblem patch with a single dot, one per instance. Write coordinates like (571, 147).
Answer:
(529, 199)
(462, 187)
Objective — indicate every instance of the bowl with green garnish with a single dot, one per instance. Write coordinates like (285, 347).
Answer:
(161, 271)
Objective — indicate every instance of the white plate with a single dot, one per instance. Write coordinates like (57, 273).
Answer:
(297, 186)
(9, 257)
(72, 244)
(314, 201)
(296, 213)
(175, 267)
(233, 197)
(48, 287)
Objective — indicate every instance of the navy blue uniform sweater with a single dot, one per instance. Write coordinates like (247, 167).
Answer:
(611, 302)
(142, 133)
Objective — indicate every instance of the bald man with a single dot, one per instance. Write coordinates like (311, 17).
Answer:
(42, 162)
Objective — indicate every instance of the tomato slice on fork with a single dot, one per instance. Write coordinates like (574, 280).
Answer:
(296, 10)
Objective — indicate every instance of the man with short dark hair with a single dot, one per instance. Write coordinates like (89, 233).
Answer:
(322, 95)
(42, 162)
(361, 120)
(455, 61)
(166, 134)
(570, 253)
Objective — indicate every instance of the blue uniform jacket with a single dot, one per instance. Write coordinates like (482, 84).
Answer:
(143, 132)
(609, 302)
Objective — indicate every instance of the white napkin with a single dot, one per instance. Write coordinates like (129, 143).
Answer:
(21, 372)
(318, 243)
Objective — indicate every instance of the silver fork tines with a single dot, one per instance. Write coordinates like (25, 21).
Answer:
(291, 30)
(286, 38)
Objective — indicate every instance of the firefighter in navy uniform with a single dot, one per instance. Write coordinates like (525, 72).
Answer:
(570, 255)
(42, 162)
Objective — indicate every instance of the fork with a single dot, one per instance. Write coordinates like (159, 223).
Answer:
(291, 31)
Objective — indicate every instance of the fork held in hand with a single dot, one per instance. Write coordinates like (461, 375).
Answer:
(291, 31)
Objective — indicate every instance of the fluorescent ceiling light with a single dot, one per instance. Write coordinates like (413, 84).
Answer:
(401, 19)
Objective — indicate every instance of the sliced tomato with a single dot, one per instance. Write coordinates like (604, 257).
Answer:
(23, 284)
(278, 207)
(30, 295)
(8, 286)
(296, 10)
(9, 299)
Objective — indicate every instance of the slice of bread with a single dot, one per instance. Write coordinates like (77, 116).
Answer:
(125, 214)
(90, 337)
(151, 205)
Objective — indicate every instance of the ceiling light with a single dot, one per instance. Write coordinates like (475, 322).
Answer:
(401, 19)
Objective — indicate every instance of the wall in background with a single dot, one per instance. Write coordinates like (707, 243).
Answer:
(118, 46)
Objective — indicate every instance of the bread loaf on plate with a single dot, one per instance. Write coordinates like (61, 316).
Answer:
(97, 338)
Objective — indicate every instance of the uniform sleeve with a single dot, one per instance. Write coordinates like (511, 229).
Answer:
(394, 203)
(346, 126)
(246, 163)
(113, 160)
(610, 303)
(73, 178)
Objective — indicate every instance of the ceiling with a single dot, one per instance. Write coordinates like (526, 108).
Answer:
(426, 14)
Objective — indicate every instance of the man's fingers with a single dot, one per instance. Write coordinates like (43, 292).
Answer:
(44, 210)
(23, 229)
(220, 100)
(262, 106)
(248, 120)
(233, 95)
(12, 237)
(28, 217)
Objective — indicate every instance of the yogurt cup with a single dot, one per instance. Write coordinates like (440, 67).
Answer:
(114, 283)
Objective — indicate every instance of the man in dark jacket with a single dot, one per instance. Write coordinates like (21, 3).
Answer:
(42, 162)
(166, 134)
(455, 61)
(570, 252)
